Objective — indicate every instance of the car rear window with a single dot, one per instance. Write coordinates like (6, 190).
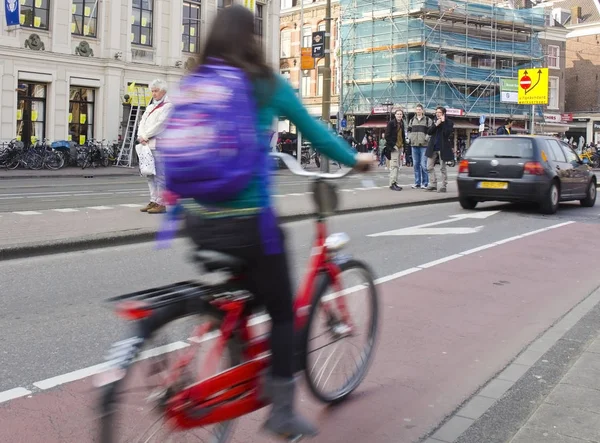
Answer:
(501, 147)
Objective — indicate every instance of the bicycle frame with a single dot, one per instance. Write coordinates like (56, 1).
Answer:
(236, 391)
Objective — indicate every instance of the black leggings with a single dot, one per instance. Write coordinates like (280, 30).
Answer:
(268, 277)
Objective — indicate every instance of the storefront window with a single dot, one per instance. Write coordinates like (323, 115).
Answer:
(31, 112)
(35, 13)
(84, 15)
(81, 114)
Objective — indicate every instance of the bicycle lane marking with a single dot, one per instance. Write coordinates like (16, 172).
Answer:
(92, 370)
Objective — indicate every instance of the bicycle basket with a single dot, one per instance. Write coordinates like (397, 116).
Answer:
(325, 197)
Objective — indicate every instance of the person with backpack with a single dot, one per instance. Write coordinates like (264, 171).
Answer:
(417, 130)
(221, 174)
(505, 129)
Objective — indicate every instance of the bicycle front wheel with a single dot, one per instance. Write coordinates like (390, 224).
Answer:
(341, 333)
(132, 410)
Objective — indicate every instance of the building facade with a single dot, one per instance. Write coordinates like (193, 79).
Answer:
(455, 54)
(296, 34)
(67, 66)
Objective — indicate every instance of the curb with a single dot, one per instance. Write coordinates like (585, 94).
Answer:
(133, 236)
(501, 407)
(82, 175)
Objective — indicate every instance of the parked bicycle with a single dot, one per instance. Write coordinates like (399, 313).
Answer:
(15, 154)
(185, 392)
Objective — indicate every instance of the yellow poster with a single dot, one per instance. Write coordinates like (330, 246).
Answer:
(250, 4)
(72, 27)
(33, 139)
(143, 40)
(132, 36)
(133, 19)
(82, 139)
(19, 114)
(144, 21)
(22, 2)
(18, 138)
(70, 117)
(73, 9)
(22, 19)
(87, 11)
(192, 47)
(38, 3)
(82, 119)
(86, 30)
(37, 21)
(70, 137)
(34, 116)
(193, 32)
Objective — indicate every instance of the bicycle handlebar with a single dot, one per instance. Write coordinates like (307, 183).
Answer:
(293, 165)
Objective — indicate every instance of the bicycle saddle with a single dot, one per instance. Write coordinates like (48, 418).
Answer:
(218, 261)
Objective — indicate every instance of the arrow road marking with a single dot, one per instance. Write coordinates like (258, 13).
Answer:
(427, 229)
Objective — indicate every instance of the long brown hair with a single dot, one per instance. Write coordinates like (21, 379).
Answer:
(233, 40)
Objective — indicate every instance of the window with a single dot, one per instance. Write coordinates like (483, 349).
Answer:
(321, 27)
(31, 112)
(287, 75)
(556, 153)
(258, 21)
(484, 63)
(190, 29)
(286, 44)
(486, 147)
(84, 15)
(570, 154)
(553, 93)
(81, 114)
(320, 81)
(141, 28)
(553, 56)
(286, 4)
(224, 4)
(306, 84)
(307, 36)
(35, 13)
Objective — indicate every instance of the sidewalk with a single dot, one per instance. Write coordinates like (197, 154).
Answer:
(549, 394)
(27, 233)
(71, 171)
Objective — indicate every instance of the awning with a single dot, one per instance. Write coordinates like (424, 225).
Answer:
(372, 124)
(553, 127)
(463, 125)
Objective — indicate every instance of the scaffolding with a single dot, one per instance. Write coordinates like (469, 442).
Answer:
(435, 52)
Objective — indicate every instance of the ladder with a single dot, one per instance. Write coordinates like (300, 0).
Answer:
(125, 157)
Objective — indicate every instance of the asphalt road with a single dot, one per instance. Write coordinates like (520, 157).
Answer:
(25, 194)
(52, 321)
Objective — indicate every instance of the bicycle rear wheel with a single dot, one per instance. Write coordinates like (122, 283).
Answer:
(132, 410)
(327, 331)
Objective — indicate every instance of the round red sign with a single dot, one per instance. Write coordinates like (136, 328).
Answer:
(525, 82)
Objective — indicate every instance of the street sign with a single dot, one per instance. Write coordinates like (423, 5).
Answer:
(509, 90)
(344, 123)
(481, 119)
(533, 86)
(307, 62)
(318, 44)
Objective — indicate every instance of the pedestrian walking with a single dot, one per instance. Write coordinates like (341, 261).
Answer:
(395, 140)
(505, 129)
(418, 138)
(150, 127)
(440, 146)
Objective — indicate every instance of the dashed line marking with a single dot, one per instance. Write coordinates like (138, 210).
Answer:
(11, 394)
(131, 205)
(100, 208)
(27, 213)
(66, 210)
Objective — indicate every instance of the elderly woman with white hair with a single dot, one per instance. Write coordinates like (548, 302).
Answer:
(149, 128)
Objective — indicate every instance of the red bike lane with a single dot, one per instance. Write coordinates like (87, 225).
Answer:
(446, 330)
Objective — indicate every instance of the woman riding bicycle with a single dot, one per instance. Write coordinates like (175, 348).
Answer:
(246, 227)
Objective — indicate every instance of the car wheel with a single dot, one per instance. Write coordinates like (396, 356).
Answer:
(467, 203)
(590, 195)
(549, 204)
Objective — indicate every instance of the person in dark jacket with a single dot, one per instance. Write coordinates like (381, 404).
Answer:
(506, 129)
(440, 145)
(395, 141)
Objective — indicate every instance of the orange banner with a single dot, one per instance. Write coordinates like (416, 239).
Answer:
(307, 61)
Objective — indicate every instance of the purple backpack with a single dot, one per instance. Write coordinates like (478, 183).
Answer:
(210, 146)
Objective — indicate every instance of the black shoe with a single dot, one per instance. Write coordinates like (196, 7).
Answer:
(395, 187)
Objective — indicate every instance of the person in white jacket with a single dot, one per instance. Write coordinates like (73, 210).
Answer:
(149, 128)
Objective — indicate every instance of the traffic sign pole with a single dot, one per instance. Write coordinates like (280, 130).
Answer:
(532, 120)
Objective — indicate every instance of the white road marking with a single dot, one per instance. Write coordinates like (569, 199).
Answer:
(262, 318)
(100, 208)
(27, 213)
(132, 205)
(66, 210)
(11, 394)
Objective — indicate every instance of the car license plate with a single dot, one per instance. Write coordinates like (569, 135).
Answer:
(492, 185)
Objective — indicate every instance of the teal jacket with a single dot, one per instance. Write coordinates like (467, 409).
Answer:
(278, 99)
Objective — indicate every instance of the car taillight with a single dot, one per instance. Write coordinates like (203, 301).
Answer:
(533, 168)
(463, 167)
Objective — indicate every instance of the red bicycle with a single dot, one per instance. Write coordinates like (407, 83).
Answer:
(185, 388)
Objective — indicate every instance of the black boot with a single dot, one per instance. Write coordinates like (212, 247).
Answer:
(283, 420)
